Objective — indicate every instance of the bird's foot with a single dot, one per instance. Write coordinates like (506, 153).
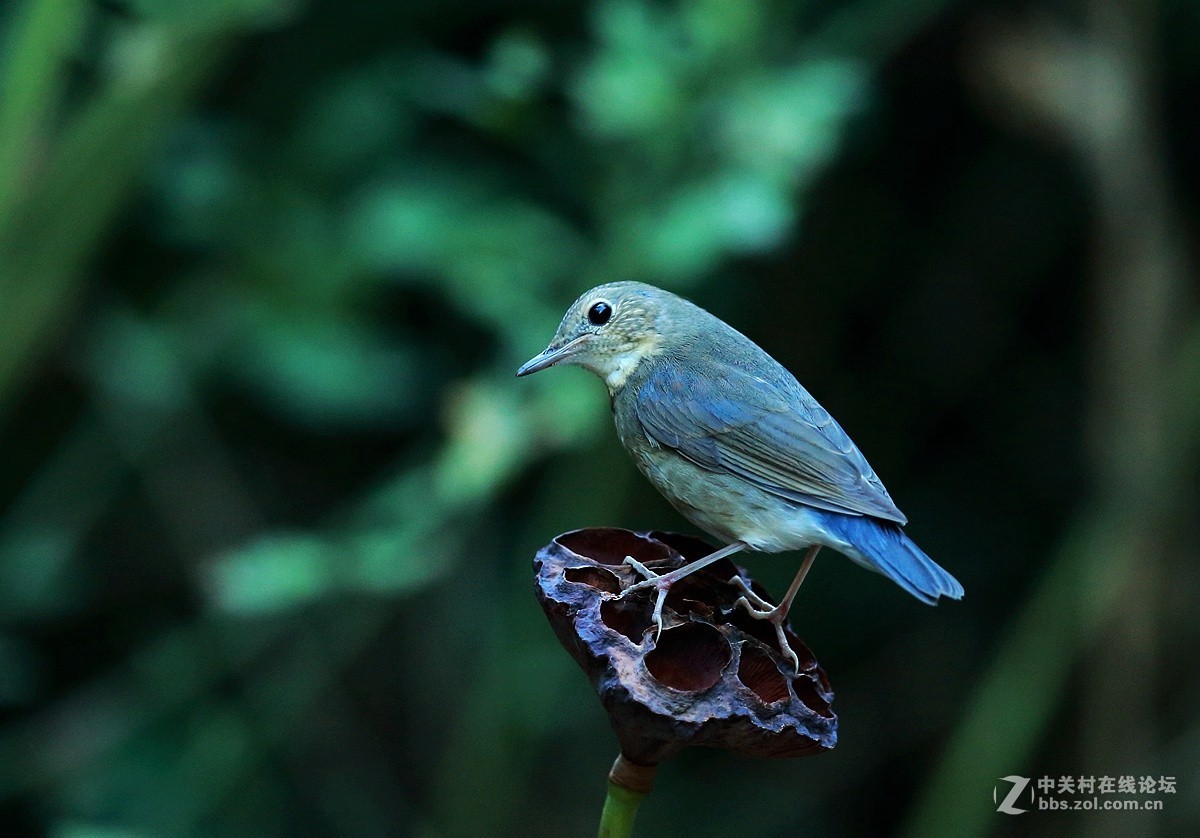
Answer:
(642, 569)
(651, 581)
(760, 609)
(748, 594)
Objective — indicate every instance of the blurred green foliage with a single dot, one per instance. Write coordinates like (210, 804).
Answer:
(271, 491)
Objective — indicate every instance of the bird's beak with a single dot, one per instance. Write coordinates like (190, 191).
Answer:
(550, 356)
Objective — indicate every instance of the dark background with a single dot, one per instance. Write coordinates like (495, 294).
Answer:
(270, 491)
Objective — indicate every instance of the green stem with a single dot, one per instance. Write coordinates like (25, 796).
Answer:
(33, 63)
(628, 783)
(620, 808)
(97, 161)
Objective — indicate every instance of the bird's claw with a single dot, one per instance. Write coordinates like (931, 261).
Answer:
(760, 609)
(651, 581)
(642, 569)
(749, 595)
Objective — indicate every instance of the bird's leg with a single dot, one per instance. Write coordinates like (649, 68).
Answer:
(663, 581)
(760, 609)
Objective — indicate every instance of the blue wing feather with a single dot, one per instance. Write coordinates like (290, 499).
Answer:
(764, 428)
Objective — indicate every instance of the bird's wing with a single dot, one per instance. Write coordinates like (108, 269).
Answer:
(772, 434)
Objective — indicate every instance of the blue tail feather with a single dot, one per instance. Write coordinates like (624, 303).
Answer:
(883, 547)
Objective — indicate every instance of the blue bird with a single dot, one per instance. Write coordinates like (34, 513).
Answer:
(734, 443)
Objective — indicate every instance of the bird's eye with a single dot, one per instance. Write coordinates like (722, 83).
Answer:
(600, 313)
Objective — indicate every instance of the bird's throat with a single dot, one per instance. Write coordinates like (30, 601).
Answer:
(626, 362)
(620, 373)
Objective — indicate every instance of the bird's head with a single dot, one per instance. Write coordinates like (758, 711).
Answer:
(609, 330)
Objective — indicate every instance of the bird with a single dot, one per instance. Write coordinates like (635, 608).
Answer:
(734, 443)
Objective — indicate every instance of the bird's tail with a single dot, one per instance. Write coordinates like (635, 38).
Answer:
(883, 547)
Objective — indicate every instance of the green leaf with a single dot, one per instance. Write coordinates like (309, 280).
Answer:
(275, 572)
